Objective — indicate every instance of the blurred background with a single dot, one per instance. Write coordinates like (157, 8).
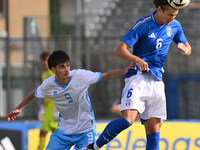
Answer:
(89, 31)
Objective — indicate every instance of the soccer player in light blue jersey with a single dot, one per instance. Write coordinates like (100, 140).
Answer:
(69, 91)
(143, 93)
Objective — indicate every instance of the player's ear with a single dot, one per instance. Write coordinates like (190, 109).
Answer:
(159, 9)
(53, 70)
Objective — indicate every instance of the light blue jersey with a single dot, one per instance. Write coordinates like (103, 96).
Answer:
(72, 100)
(151, 41)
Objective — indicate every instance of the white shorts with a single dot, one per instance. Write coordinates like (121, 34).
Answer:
(146, 94)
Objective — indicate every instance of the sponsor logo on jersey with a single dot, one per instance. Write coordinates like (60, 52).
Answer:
(169, 31)
(55, 93)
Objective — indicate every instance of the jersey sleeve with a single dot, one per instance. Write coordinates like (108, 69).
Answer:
(40, 92)
(180, 36)
(90, 77)
(133, 35)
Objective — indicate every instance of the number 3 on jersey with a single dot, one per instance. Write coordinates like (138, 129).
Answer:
(68, 98)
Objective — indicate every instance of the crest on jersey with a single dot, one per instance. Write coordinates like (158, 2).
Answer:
(169, 31)
(128, 102)
(55, 93)
(75, 86)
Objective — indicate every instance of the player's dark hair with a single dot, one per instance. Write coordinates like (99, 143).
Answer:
(162, 3)
(57, 57)
(44, 55)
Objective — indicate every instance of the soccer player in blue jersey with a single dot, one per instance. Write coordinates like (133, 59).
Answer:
(69, 91)
(143, 93)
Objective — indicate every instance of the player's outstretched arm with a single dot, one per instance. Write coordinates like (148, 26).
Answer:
(185, 49)
(117, 73)
(12, 115)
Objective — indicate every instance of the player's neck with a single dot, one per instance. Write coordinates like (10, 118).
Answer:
(63, 81)
(156, 16)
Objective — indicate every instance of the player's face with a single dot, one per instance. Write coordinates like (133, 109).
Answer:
(44, 63)
(167, 15)
(62, 71)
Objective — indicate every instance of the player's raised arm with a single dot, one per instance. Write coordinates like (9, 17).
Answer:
(12, 115)
(185, 49)
(116, 73)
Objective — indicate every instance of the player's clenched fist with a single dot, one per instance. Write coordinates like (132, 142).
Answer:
(142, 65)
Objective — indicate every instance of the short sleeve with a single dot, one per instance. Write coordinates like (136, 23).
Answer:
(180, 36)
(130, 38)
(134, 34)
(40, 92)
(90, 77)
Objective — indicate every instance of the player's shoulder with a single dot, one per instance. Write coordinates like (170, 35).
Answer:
(49, 72)
(175, 23)
(74, 71)
(142, 22)
(49, 80)
(79, 72)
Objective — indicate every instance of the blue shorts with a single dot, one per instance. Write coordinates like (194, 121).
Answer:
(61, 141)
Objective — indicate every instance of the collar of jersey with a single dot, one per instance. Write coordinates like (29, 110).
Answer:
(154, 20)
(152, 16)
(63, 86)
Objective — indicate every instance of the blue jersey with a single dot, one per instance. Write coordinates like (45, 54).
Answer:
(151, 41)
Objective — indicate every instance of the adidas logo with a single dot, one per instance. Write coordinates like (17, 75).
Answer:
(6, 144)
(152, 35)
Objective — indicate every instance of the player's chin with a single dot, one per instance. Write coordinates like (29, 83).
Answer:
(167, 23)
(66, 76)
